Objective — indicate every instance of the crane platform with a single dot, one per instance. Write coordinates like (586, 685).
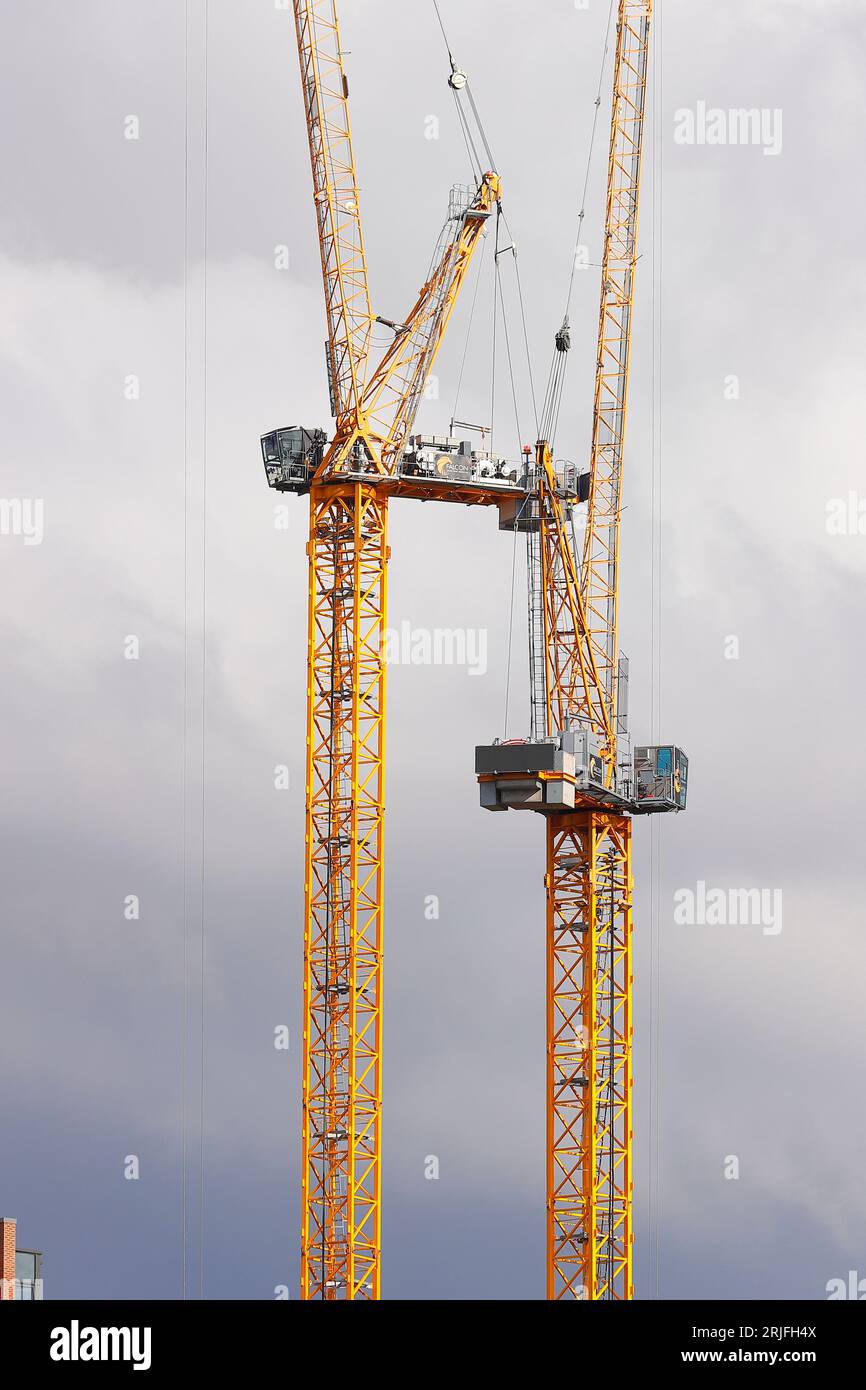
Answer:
(566, 772)
(441, 468)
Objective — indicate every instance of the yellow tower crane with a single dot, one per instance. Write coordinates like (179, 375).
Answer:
(573, 769)
(371, 456)
(570, 769)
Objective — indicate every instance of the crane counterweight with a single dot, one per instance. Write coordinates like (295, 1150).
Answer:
(567, 771)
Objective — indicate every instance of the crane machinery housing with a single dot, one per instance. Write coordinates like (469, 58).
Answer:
(570, 769)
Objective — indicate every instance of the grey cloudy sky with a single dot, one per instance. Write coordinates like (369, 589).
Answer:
(119, 257)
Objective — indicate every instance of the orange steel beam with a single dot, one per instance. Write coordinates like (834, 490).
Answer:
(342, 1066)
(589, 1043)
(589, 867)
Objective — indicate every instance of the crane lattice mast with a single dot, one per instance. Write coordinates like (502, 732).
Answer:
(589, 865)
(570, 768)
(370, 457)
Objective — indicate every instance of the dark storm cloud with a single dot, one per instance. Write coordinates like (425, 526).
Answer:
(753, 1031)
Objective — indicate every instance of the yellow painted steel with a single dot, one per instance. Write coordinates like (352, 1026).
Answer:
(335, 194)
(394, 390)
(600, 569)
(348, 554)
(589, 1047)
(377, 426)
(589, 854)
(572, 683)
(589, 870)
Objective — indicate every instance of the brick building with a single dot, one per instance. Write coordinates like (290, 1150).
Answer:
(20, 1270)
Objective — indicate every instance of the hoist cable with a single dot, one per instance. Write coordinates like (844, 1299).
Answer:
(516, 513)
(510, 629)
(657, 531)
(474, 161)
(493, 352)
(469, 329)
(508, 350)
(526, 343)
(481, 132)
(556, 380)
(444, 35)
(596, 106)
(523, 321)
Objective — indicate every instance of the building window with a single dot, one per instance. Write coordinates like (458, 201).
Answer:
(28, 1275)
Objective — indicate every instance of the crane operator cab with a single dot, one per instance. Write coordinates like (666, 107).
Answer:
(566, 772)
(291, 457)
(661, 777)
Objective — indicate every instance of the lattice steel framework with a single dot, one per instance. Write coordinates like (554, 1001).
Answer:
(589, 872)
(573, 688)
(393, 392)
(343, 949)
(335, 193)
(589, 1037)
(374, 408)
(600, 569)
